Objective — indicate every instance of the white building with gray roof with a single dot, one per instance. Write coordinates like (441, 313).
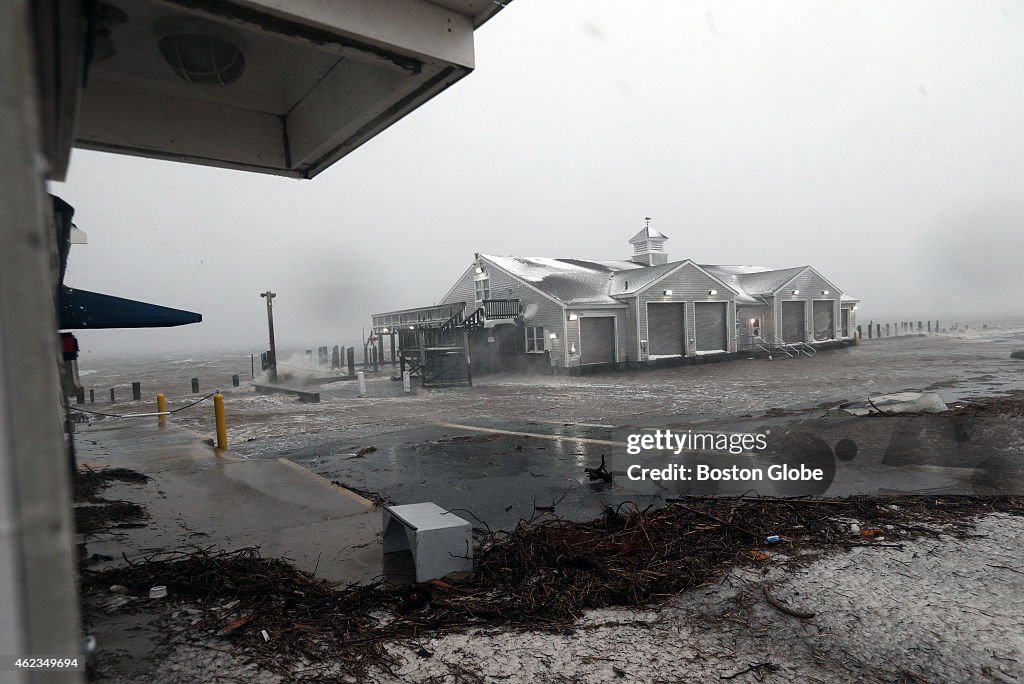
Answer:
(575, 312)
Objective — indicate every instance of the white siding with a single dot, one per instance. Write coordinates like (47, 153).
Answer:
(689, 285)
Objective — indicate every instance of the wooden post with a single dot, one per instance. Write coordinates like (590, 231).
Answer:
(929, 326)
(80, 396)
(392, 336)
(350, 357)
(380, 350)
(92, 396)
(469, 357)
(195, 385)
(871, 327)
(335, 357)
(887, 331)
(878, 330)
(234, 381)
(136, 391)
(111, 395)
(423, 357)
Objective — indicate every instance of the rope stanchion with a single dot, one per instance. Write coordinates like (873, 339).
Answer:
(142, 415)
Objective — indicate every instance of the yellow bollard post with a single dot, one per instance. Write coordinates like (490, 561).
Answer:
(161, 407)
(222, 426)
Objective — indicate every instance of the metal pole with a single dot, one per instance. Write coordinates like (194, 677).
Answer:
(222, 426)
(272, 369)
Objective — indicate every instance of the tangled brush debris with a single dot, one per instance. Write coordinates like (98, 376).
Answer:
(543, 574)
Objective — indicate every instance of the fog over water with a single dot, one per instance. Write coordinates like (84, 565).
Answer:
(879, 142)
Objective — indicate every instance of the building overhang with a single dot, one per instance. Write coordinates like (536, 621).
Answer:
(295, 85)
(84, 310)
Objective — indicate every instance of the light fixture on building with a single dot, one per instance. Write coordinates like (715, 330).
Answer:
(201, 52)
(553, 336)
(752, 321)
(668, 293)
(412, 327)
(796, 292)
(385, 331)
(573, 317)
(712, 293)
(479, 270)
(824, 292)
(854, 308)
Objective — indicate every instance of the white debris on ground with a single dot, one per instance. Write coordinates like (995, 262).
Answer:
(949, 610)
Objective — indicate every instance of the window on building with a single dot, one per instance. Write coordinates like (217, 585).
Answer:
(534, 338)
(483, 289)
(755, 327)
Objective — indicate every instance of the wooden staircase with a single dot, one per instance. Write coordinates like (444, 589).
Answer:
(438, 353)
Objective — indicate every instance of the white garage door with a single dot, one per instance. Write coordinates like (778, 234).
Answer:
(597, 340)
(665, 329)
(793, 328)
(712, 330)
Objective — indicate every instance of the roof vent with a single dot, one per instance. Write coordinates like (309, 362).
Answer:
(649, 246)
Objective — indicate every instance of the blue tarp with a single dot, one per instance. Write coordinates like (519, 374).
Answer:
(81, 309)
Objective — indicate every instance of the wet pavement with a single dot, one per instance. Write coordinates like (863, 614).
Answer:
(199, 497)
(510, 444)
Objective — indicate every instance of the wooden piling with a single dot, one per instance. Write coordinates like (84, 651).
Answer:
(350, 358)
(234, 381)
(92, 396)
(335, 357)
(111, 395)
(195, 385)
(80, 396)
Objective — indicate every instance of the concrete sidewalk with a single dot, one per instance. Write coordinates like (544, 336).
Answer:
(199, 497)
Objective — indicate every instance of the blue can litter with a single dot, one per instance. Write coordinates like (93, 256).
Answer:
(774, 539)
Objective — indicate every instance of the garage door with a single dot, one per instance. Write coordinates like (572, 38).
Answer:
(711, 326)
(793, 329)
(665, 329)
(824, 317)
(597, 340)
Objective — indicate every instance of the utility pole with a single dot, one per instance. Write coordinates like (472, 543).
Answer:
(272, 361)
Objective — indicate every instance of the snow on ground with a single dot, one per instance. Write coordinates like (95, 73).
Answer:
(949, 610)
(936, 610)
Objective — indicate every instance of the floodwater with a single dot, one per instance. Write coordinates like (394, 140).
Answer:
(511, 447)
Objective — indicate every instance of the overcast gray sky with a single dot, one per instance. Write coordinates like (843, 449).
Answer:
(880, 142)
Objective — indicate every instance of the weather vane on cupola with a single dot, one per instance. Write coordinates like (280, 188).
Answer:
(647, 221)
